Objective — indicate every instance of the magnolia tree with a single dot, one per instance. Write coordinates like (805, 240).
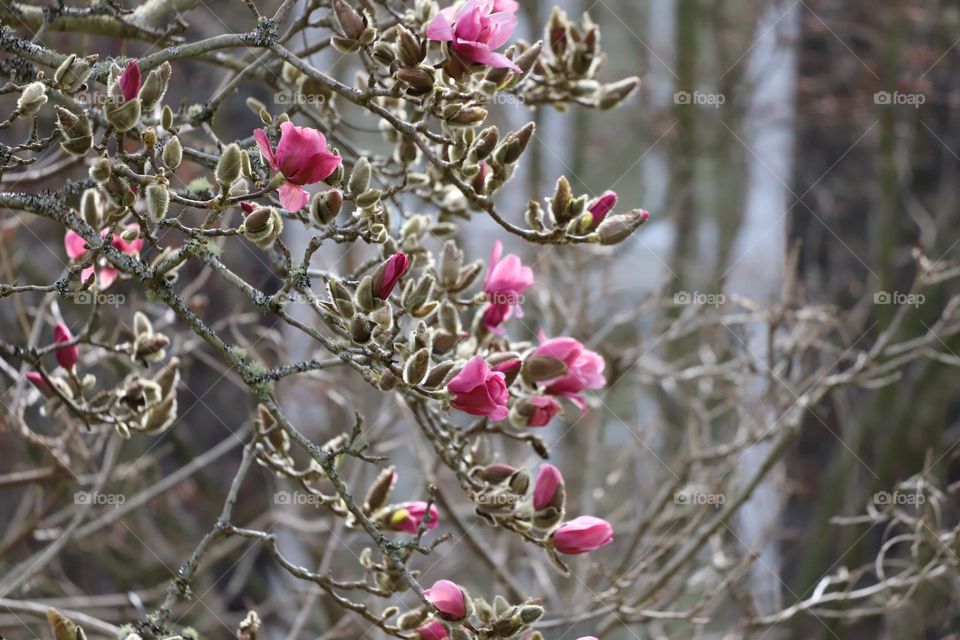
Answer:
(156, 220)
(418, 320)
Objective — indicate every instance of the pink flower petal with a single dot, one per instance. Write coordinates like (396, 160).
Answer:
(265, 151)
(293, 197)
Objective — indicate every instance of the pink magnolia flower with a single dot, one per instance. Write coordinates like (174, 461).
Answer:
(448, 598)
(584, 369)
(480, 391)
(66, 356)
(581, 535)
(76, 249)
(302, 157)
(433, 630)
(600, 207)
(504, 285)
(389, 274)
(545, 487)
(34, 378)
(130, 81)
(409, 515)
(477, 30)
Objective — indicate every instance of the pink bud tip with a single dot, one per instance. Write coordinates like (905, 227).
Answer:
(545, 488)
(34, 378)
(130, 81)
(66, 356)
(448, 598)
(392, 271)
(581, 535)
(433, 631)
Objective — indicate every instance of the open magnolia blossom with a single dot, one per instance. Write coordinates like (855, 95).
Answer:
(477, 29)
(76, 248)
(584, 369)
(301, 157)
(507, 279)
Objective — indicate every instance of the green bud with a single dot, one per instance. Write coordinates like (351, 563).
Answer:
(361, 329)
(100, 171)
(155, 86)
(325, 206)
(617, 228)
(246, 169)
(125, 116)
(360, 177)
(75, 130)
(172, 153)
(71, 73)
(32, 98)
(341, 298)
(90, 208)
(451, 261)
(383, 53)
(613, 94)
(289, 73)
(158, 201)
(263, 226)
(229, 165)
(528, 58)
(367, 199)
(364, 297)
(166, 117)
(562, 196)
(530, 613)
(417, 367)
(519, 482)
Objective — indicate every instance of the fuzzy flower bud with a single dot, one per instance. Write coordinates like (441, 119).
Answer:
(158, 201)
(263, 226)
(75, 130)
(155, 86)
(32, 98)
(616, 229)
(229, 165)
(326, 206)
(90, 208)
(172, 153)
(125, 116)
